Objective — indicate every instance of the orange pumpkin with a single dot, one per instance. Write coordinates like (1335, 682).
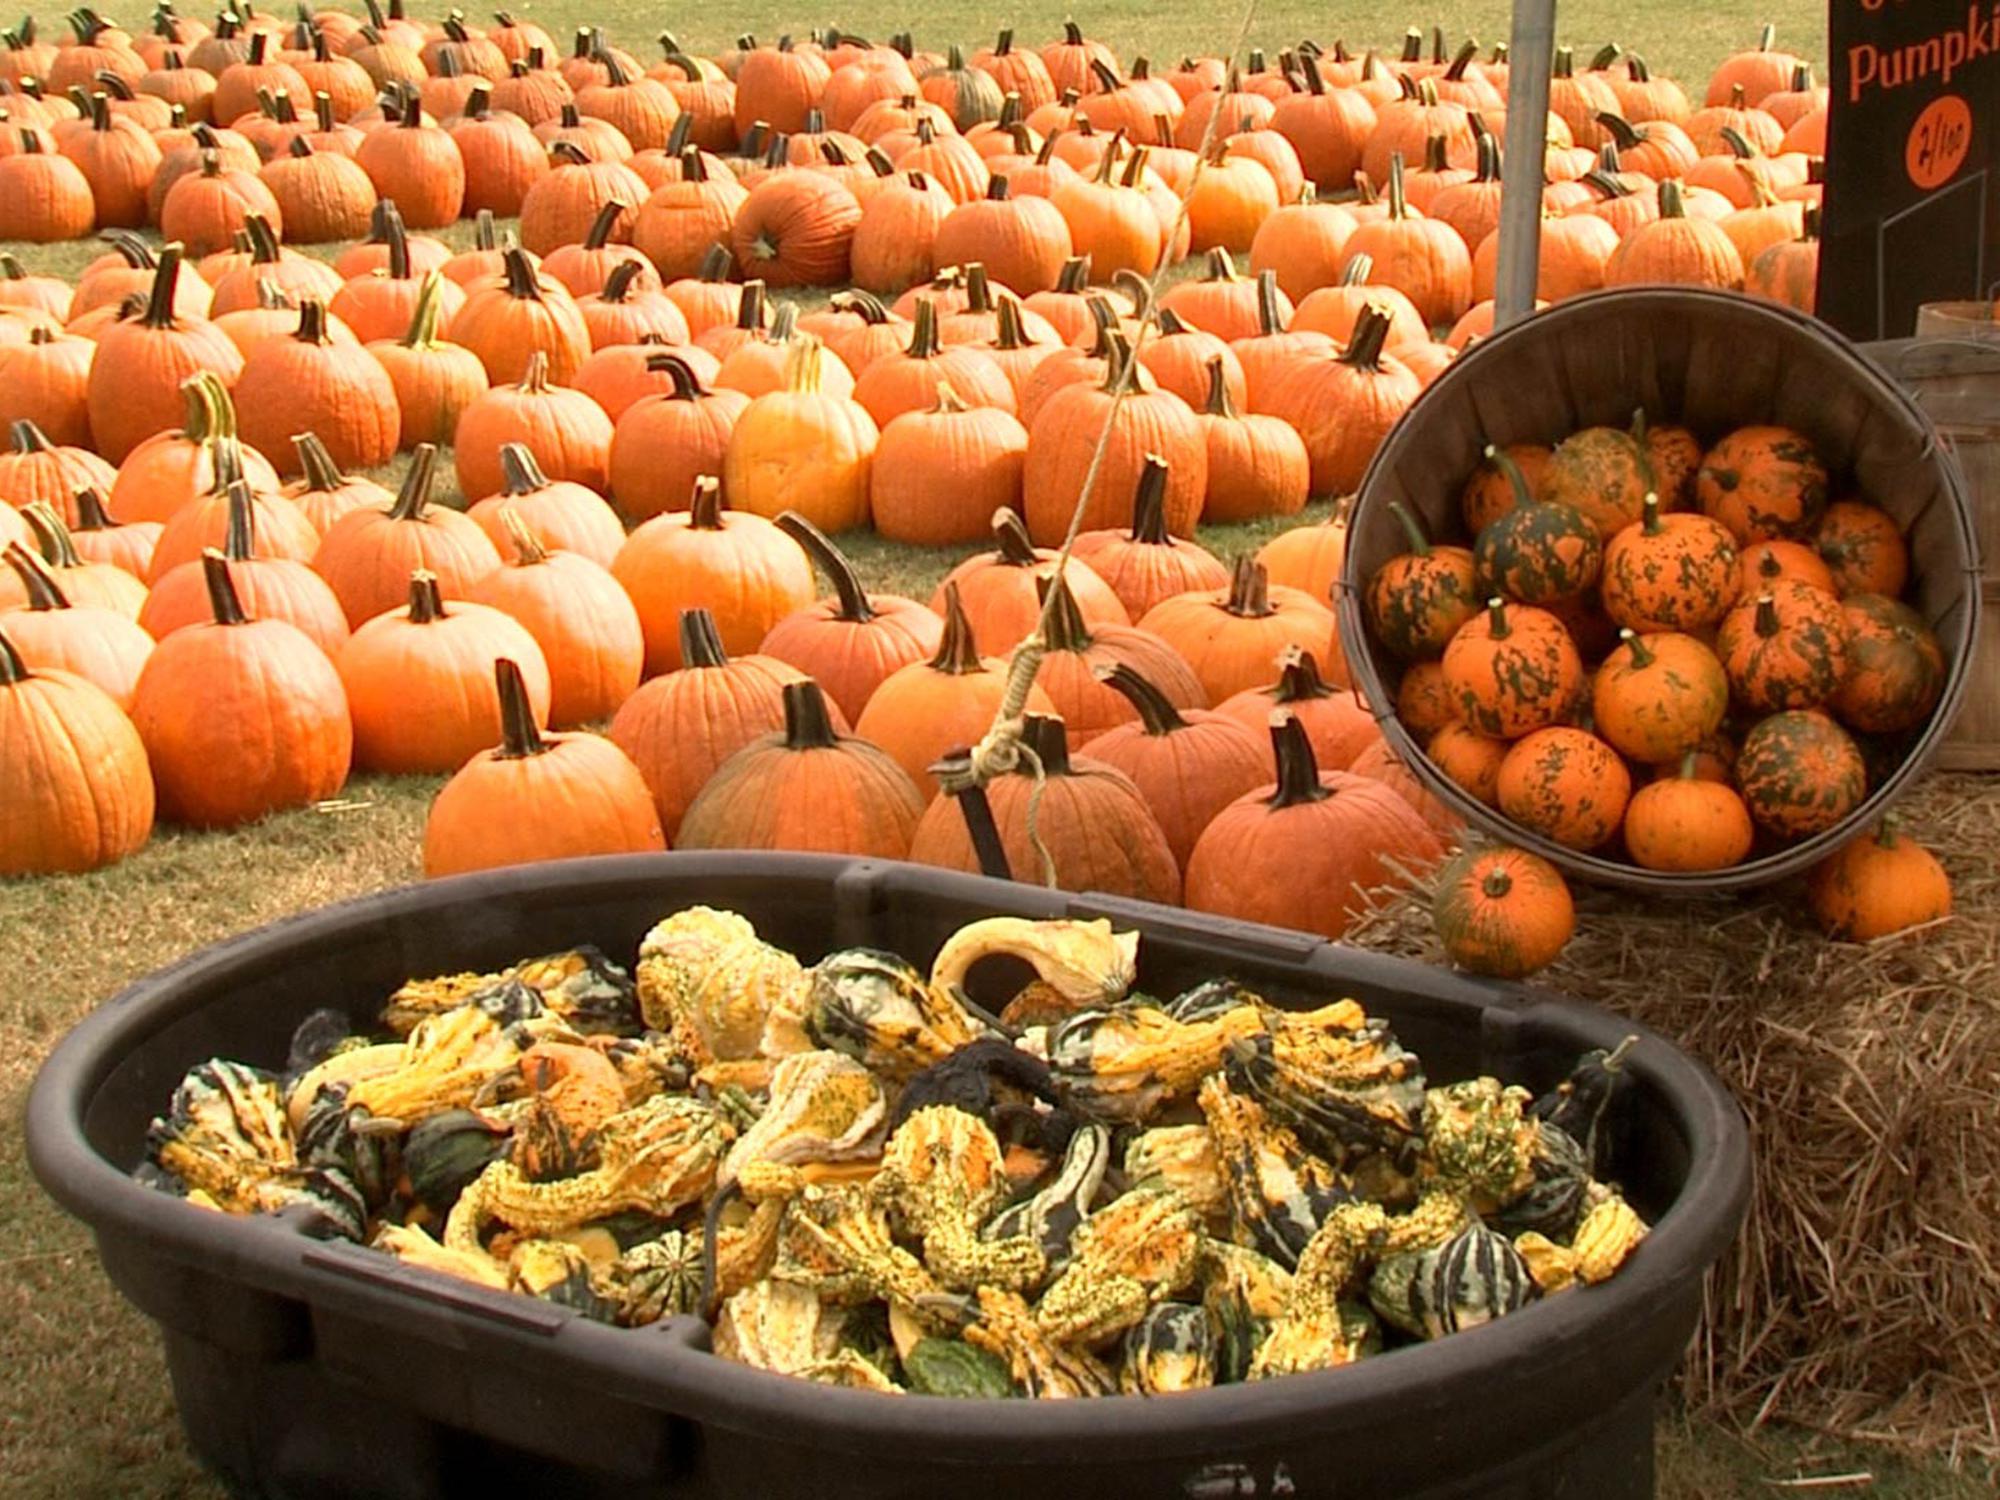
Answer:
(1417, 601)
(1074, 653)
(1659, 696)
(1763, 482)
(1257, 465)
(1231, 637)
(369, 554)
(1424, 259)
(1490, 493)
(99, 537)
(203, 689)
(1337, 723)
(1001, 590)
(739, 566)
(100, 645)
(1883, 882)
(939, 474)
(1895, 669)
(1670, 572)
(1306, 852)
(1147, 564)
(1470, 759)
(1768, 563)
(91, 583)
(802, 449)
(1425, 702)
(1687, 822)
(567, 432)
(1309, 558)
(509, 320)
(1565, 784)
(136, 377)
(1343, 405)
(1800, 773)
(536, 797)
(1604, 473)
(1784, 648)
(1514, 669)
(562, 515)
(663, 443)
(1504, 913)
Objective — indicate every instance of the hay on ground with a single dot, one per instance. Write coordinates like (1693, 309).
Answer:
(1863, 1297)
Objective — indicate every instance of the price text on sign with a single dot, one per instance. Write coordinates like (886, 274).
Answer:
(1912, 210)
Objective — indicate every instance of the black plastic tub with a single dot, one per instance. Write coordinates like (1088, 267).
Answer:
(312, 1369)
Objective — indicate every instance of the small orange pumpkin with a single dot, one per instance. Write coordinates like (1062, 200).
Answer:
(1566, 784)
(1514, 669)
(1504, 913)
(1863, 549)
(1800, 773)
(1688, 822)
(1658, 696)
(1785, 648)
(1881, 883)
(1670, 572)
(1895, 669)
(1763, 482)
(1418, 601)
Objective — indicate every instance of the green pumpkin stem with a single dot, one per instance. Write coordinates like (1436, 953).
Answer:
(807, 726)
(1502, 460)
(1156, 714)
(957, 654)
(41, 586)
(1498, 627)
(1671, 206)
(1250, 590)
(1636, 644)
(852, 600)
(52, 537)
(223, 602)
(1298, 772)
(415, 493)
(520, 739)
(1687, 766)
(1419, 543)
(705, 508)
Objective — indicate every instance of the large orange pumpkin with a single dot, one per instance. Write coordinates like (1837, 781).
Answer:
(1147, 564)
(369, 554)
(508, 321)
(1232, 637)
(1344, 404)
(663, 443)
(802, 449)
(136, 377)
(100, 645)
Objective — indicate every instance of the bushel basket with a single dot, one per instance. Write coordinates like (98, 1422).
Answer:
(1714, 362)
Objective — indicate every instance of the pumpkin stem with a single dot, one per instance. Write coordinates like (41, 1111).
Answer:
(426, 603)
(1670, 199)
(1298, 771)
(312, 322)
(1010, 333)
(805, 365)
(753, 313)
(1269, 319)
(264, 248)
(42, 589)
(1398, 207)
(924, 343)
(1768, 623)
(1063, 627)
(51, 536)
(1156, 713)
(223, 603)
(1651, 521)
(978, 291)
(605, 222)
(1074, 278)
(705, 508)
(1219, 402)
(1149, 503)
(519, 271)
(1502, 460)
(535, 379)
(422, 332)
(322, 474)
(807, 726)
(1636, 644)
(1010, 539)
(701, 642)
(28, 438)
(853, 605)
(90, 512)
(166, 279)
(1497, 884)
(1047, 737)
(519, 473)
(519, 738)
(1359, 268)
(239, 536)
(618, 285)
(1250, 590)
(1419, 543)
(1298, 678)
(956, 655)
(415, 493)
(1738, 144)
(1371, 332)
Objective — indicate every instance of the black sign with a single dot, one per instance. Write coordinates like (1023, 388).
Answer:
(1912, 211)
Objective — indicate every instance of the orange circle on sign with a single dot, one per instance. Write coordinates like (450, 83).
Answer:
(1938, 142)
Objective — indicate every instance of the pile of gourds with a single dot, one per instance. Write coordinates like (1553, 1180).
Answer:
(862, 1179)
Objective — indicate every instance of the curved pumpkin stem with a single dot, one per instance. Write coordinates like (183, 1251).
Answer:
(42, 589)
(1219, 402)
(807, 726)
(1156, 713)
(239, 535)
(415, 493)
(701, 641)
(519, 473)
(166, 280)
(52, 537)
(705, 509)
(1010, 540)
(924, 342)
(223, 603)
(322, 475)
(90, 512)
(1063, 625)
(1636, 644)
(522, 282)
(602, 226)
(1250, 590)
(1269, 319)
(1502, 460)
(957, 655)
(520, 739)
(687, 384)
(852, 600)
(1419, 543)
(422, 332)
(1298, 772)
(12, 668)
(1298, 678)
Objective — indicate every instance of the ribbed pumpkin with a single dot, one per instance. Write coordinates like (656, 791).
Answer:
(1001, 590)
(524, 313)
(99, 537)
(1687, 822)
(1565, 784)
(1308, 558)
(584, 263)
(796, 229)
(566, 431)
(322, 493)
(118, 158)
(1335, 310)
(679, 223)
(536, 797)
(681, 726)
(1147, 564)
(1602, 472)
(1188, 765)
(1786, 647)
(802, 449)
(1417, 600)
(74, 780)
(1178, 357)
(1232, 637)
(1513, 669)
(310, 383)
(1343, 405)
(44, 198)
(1800, 773)
(207, 208)
(369, 554)
(806, 787)
(1504, 913)
(1023, 241)
(204, 521)
(240, 717)
(420, 682)
(1093, 822)
(100, 645)
(268, 586)
(1895, 669)
(1423, 258)
(135, 379)
(1304, 852)
(41, 470)
(939, 474)
(849, 643)
(663, 443)
(46, 381)
(1883, 882)
(1670, 572)
(1066, 432)
(740, 567)
(1863, 549)
(909, 381)
(560, 513)
(418, 165)
(1257, 465)
(84, 582)
(1677, 249)
(893, 238)
(434, 381)
(1075, 653)
(1659, 696)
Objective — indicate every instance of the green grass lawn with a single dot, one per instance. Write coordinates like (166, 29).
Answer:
(86, 1408)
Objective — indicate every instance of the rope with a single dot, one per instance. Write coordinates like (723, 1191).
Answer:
(1001, 749)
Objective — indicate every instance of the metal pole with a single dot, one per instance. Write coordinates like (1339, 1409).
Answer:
(1530, 55)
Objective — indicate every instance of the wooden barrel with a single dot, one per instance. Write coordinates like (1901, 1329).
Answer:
(1714, 361)
(1952, 369)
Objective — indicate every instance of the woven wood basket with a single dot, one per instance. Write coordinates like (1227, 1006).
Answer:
(1714, 361)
